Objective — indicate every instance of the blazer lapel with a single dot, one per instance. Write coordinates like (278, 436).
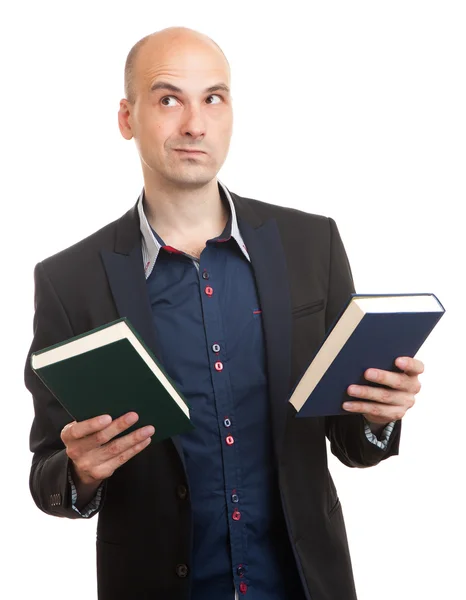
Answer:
(125, 273)
(265, 249)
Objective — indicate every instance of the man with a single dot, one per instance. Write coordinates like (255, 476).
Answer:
(234, 296)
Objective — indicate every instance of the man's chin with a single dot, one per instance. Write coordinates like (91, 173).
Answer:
(191, 180)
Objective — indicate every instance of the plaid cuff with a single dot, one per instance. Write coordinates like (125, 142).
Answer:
(384, 436)
(93, 504)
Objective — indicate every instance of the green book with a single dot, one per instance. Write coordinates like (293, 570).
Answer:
(109, 370)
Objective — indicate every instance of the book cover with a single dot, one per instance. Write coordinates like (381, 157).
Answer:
(113, 379)
(376, 342)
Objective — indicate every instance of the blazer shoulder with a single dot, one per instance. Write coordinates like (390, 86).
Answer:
(84, 250)
(282, 213)
(293, 224)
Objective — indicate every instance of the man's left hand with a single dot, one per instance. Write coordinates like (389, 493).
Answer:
(387, 404)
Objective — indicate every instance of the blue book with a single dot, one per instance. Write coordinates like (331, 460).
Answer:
(371, 331)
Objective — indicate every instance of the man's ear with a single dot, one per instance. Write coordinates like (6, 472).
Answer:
(124, 118)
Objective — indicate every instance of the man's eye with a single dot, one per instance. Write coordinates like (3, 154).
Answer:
(165, 98)
(211, 96)
(214, 96)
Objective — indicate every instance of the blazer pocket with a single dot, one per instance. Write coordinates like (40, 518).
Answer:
(308, 309)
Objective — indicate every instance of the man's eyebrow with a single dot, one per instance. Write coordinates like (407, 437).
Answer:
(163, 85)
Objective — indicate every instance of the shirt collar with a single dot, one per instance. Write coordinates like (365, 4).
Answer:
(151, 246)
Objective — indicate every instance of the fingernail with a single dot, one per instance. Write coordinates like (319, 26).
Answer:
(132, 418)
(105, 420)
(348, 405)
(354, 389)
(402, 363)
(149, 430)
(372, 374)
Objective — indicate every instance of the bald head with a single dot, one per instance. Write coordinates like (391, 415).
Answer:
(158, 43)
(177, 87)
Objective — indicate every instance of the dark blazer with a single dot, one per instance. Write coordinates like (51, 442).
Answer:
(144, 525)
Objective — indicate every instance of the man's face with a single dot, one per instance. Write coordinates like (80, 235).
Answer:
(165, 121)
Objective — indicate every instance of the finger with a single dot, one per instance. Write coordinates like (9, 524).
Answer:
(120, 451)
(123, 443)
(375, 411)
(377, 394)
(396, 381)
(116, 427)
(82, 446)
(78, 430)
(411, 366)
(99, 461)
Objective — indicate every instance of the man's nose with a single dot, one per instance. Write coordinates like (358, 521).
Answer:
(193, 123)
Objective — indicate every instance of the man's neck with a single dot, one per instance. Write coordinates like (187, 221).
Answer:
(191, 215)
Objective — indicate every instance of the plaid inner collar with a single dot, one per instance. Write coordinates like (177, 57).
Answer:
(151, 245)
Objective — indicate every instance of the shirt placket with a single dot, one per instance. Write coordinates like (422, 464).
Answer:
(227, 425)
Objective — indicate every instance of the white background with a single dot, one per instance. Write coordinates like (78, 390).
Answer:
(354, 110)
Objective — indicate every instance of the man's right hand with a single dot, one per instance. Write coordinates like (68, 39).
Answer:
(94, 455)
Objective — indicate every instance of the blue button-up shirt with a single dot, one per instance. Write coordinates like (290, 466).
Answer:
(208, 325)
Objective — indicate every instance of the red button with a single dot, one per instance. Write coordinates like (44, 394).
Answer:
(243, 588)
(209, 291)
(236, 515)
(230, 440)
(218, 366)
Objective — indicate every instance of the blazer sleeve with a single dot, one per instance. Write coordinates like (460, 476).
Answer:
(48, 481)
(346, 433)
